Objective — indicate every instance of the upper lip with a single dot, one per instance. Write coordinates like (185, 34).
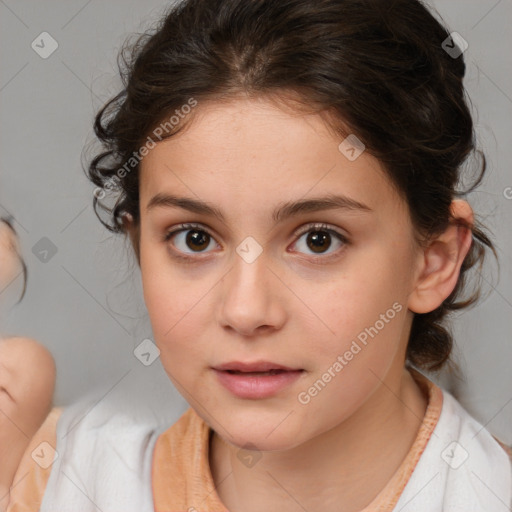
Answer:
(256, 366)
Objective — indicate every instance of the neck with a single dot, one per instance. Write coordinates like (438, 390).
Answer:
(343, 468)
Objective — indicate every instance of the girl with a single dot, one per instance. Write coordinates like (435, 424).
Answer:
(286, 171)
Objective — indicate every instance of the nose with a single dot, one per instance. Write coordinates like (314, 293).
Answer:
(252, 298)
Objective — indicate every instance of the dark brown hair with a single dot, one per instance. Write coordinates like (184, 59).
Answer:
(378, 68)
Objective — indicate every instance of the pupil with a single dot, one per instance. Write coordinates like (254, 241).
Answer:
(319, 239)
(198, 238)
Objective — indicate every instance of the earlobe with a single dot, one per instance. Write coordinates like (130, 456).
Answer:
(441, 261)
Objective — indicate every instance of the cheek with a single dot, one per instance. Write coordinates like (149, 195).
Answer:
(354, 303)
(349, 369)
(359, 335)
(176, 306)
(163, 294)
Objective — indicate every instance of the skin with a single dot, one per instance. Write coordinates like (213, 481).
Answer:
(10, 264)
(27, 380)
(247, 157)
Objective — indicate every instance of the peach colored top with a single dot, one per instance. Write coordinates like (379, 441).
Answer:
(181, 476)
(30, 480)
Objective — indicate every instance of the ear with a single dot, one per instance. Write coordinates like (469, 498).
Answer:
(440, 262)
(133, 230)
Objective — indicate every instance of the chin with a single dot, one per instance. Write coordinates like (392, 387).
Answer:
(259, 442)
(254, 432)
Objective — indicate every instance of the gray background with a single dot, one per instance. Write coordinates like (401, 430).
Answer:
(85, 303)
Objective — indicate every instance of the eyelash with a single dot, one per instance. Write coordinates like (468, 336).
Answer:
(306, 229)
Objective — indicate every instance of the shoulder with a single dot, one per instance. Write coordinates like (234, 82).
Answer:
(33, 473)
(472, 470)
(93, 453)
(104, 458)
(479, 466)
(459, 423)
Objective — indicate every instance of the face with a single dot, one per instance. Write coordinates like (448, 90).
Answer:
(302, 287)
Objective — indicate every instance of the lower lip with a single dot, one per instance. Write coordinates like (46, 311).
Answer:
(256, 386)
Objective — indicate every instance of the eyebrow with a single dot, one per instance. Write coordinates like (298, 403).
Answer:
(281, 213)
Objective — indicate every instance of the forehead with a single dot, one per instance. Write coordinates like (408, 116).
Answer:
(250, 151)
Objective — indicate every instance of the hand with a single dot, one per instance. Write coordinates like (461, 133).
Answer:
(27, 380)
(27, 375)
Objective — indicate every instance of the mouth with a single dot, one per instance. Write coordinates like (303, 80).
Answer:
(257, 380)
(256, 368)
(257, 374)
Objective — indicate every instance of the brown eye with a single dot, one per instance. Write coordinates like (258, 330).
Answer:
(319, 239)
(190, 239)
(196, 239)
